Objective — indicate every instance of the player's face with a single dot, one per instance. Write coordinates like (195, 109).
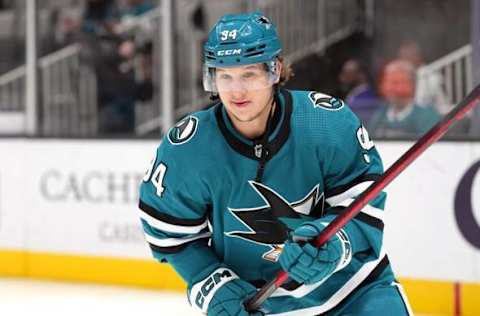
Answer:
(245, 91)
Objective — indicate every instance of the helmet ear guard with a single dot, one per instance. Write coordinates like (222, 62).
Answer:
(209, 79)
(274, 67)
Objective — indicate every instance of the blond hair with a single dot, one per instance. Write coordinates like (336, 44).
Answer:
(286, 72)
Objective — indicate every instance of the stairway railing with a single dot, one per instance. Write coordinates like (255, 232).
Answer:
(455, 72)
(67, 97)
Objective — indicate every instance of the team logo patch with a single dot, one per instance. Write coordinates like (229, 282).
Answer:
(183, 131)
(269, 225)
(320, 100)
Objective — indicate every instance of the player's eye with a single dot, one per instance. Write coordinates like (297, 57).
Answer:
(250, 75)
(224, 77)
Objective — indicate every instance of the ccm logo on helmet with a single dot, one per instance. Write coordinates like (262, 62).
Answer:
(229, 52)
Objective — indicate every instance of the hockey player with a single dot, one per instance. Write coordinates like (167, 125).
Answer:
(235, 192)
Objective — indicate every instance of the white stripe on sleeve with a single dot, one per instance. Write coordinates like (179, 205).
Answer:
(167, 227)
(171, 242)
(350, 193)
(367, 209)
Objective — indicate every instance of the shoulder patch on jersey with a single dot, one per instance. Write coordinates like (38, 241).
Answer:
(321, 100)
(183, 131)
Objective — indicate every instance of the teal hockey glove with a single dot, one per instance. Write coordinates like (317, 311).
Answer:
(222, 293)
(307, 264)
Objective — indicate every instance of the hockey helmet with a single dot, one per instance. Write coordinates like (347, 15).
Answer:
(241, 39)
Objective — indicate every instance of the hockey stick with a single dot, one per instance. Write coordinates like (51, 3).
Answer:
(435, 133)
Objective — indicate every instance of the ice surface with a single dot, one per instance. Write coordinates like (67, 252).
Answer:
(22, 297)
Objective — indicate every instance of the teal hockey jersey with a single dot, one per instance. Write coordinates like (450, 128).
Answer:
(201, 205)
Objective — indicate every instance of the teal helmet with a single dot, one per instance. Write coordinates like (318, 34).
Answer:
(240, 39)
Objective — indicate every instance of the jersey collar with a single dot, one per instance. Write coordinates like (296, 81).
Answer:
(281, 128)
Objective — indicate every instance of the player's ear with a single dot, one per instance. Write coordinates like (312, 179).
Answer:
(278, 70)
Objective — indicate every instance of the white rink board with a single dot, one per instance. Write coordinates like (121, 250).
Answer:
(422, 235)
(80, 197)
(77, 197)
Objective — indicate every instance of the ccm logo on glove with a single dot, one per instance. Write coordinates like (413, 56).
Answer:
(203, 291)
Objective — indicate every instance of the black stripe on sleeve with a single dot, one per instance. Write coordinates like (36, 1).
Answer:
(169, 219)
(176, 249)
(363, 217)
(167, 250)
(345, 187)
(382, 265)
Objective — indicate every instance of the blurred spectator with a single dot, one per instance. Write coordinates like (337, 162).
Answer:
(69, 24)
(358, 92)
(429, 89)
(137, 7)
(400, 116)
(130, 9)
(101, 17)
(114, 56)
(115, 85)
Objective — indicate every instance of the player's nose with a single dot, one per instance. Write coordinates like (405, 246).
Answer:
(238, 87)
(238, 91)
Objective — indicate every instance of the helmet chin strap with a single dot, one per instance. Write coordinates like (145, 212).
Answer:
(214, 96)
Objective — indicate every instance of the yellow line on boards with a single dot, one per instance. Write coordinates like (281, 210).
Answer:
(425, 296)
(135, 272)
(13, 263)
(438, 297)
(432, 297)
(470, 299)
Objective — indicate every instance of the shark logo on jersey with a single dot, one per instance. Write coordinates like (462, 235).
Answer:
(320, 100)
(183, 131)
(270, 224)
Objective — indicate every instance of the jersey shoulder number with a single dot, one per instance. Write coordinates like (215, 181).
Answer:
(155, 173)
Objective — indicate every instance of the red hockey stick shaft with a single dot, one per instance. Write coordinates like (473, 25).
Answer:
(435, 133)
